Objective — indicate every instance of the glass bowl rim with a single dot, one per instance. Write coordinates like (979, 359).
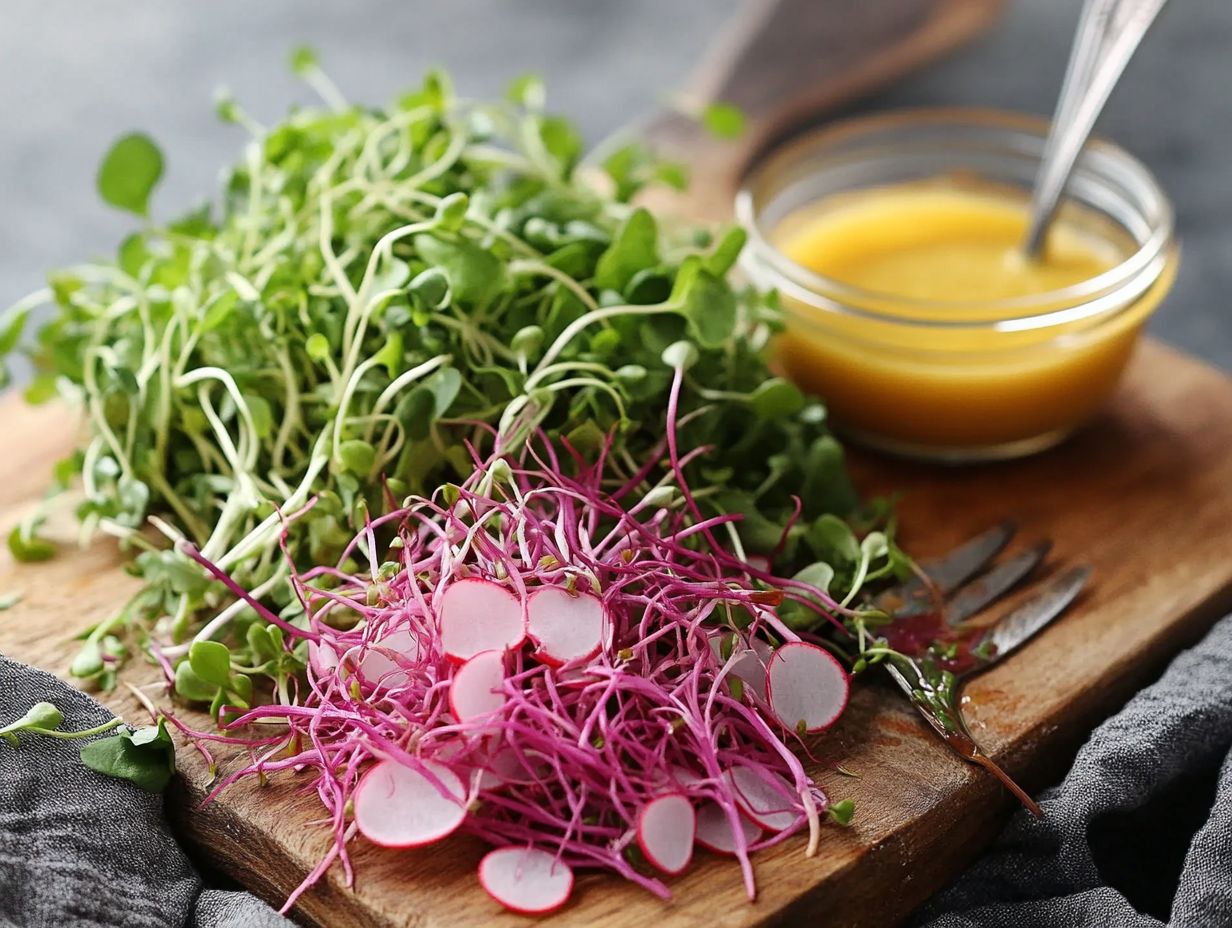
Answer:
(1008, 314)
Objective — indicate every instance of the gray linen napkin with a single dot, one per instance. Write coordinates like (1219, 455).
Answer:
(78, 849)
(1140, 831)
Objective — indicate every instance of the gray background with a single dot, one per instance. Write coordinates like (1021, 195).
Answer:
(77, 74)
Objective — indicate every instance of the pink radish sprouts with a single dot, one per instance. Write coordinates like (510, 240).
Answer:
(595, 745)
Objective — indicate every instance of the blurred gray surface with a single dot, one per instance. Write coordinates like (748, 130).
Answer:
(77, 74)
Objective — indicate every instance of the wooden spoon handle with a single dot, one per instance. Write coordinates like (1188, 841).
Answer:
(783, 62)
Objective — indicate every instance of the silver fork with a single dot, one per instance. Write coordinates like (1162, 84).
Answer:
(938, 649)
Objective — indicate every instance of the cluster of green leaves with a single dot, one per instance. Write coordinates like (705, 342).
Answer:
(144, 756)
(371, 284)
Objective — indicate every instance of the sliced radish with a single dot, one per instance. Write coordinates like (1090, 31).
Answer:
(686, 777)
(479, 615)
(714, 829)
(322, 658)
(749, 665)
(396, 806)
(751, 670)
(476, 687)
(502, 768)
(770, 806)
(806, 685)
(377, 662)
(526, 880)
(666, 827)
(565, 626)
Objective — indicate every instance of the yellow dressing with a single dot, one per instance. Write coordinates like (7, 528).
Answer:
(919, 254)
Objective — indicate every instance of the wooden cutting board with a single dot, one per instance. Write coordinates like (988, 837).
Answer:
(1141, 496)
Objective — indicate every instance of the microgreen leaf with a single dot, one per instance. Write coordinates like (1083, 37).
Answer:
(723, 120)
(191, 686)
(41, 715)
(9, 600)
(635, 247)
(27, 547)
(129, 172)
(145, 757)
(776, 399)
(474, 275)
(842, 812)
(211, 661)
(303, 59)
(707, 304)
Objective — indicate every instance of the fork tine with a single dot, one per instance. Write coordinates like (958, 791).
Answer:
(948, 572)
(984, 589)
(1022, 623)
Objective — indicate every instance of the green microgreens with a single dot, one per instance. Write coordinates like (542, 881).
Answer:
(371, 284)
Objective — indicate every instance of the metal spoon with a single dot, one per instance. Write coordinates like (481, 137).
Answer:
(1109, 32)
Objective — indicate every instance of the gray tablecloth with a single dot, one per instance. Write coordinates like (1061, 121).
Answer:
(1139, 833)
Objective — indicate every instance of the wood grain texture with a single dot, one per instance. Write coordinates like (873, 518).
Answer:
(1141, 496)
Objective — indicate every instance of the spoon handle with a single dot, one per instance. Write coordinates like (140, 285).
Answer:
(1109, 31)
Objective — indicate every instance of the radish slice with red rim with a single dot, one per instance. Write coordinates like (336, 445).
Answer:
(806, 686)
(666, 827)
(398, 806)
(475, 690)
(527, 880)
(714, 829)
(479, 615)
(770, 806)
(377, 661)
(565, 626)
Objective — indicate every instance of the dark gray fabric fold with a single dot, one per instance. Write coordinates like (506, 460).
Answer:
(1140, 831)
(81, 850)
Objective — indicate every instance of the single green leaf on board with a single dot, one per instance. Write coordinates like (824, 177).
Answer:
(129, 172)
(9, 600)
(842, 812)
